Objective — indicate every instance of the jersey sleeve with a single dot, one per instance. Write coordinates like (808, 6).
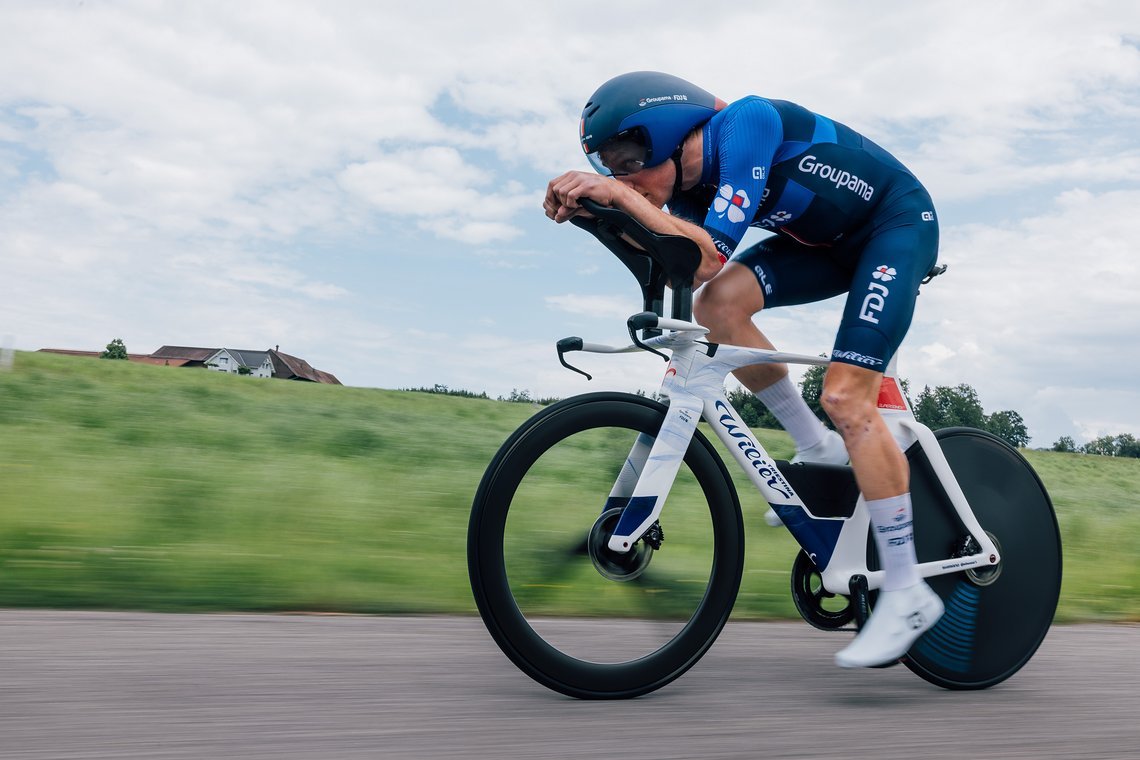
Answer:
(747, 143)
(688, 208)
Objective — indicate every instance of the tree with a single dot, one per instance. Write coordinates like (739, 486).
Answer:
(1104, 446)
(518, 397)
(811, 388)
(1127, 446)
(1065, 444)
(115, 350)
(946, 407)
(1008, 426)
(1113, 446)
(752, 412)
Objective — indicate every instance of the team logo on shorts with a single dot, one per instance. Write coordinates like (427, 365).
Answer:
(778, 218)
(885, 273)
(877, 293)
(731, 203)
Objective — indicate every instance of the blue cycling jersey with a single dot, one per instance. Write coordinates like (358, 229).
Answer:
(849, 217)
(779, 166)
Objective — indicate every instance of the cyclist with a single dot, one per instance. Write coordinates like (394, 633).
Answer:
(848, 218)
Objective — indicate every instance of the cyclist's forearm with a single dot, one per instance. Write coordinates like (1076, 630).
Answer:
(657, 220)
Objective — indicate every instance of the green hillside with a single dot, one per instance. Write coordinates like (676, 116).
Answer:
(132, 486)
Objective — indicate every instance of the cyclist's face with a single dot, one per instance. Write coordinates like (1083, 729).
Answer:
(655, 183)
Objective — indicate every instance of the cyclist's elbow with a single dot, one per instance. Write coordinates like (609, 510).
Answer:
(706, 272)
(712, 261)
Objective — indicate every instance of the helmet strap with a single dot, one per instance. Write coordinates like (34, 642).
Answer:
(676, 165)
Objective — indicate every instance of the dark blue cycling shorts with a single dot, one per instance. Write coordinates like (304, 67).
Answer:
(880, 267)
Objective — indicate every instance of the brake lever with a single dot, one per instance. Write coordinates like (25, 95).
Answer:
(646, 320)
(566, 345)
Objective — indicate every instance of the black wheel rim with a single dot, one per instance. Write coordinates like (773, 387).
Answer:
(994, 621)
(510, 591)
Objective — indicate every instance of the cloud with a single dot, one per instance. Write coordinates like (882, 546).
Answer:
(617, 307)
(437, 185)
(185, 169)
(1044, 301)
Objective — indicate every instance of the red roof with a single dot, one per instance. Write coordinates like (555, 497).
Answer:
(188, 353)
(291, 368)
(140, 358)
(285, 366)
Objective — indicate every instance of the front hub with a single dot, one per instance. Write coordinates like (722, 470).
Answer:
(611, 564)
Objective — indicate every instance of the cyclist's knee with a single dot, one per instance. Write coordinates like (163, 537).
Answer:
(850, 396)
(731, 296)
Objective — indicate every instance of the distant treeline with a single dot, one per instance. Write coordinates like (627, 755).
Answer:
(1107, 446)
(443, 390)
(939, 407)
(516, 396)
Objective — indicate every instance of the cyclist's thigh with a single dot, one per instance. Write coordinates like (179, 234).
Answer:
(734, 288)
(792, 273)
(891, 265)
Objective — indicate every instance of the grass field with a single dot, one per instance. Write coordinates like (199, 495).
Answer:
(139, 487)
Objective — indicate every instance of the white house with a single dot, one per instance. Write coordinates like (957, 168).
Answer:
(239, 362)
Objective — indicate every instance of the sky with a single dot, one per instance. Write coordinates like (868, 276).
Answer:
(360, 183)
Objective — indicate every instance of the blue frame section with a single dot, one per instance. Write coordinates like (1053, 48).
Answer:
(816, 536)
(638, 509)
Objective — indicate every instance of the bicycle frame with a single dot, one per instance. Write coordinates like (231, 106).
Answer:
(694, 385)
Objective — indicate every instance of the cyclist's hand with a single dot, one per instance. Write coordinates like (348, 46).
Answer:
(563, 192)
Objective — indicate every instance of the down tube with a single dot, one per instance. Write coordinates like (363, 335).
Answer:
(817, 536)
(749, 453)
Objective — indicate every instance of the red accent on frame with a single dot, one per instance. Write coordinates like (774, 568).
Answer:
(890, 396)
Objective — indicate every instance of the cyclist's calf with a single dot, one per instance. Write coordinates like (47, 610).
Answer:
(850, 398)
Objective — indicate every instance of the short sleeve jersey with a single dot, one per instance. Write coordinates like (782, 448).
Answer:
(776, 165)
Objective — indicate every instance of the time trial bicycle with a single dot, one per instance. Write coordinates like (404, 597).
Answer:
(596, 590)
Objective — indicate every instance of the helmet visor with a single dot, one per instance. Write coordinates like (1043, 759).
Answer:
(624, 153)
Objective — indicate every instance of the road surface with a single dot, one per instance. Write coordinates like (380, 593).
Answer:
(128, 685)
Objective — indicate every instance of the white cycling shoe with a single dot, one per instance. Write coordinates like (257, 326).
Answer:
(897, 621)
(830, 450)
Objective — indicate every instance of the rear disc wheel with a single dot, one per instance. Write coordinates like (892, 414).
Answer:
(996, 617)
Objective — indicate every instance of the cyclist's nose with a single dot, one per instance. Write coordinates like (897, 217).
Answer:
(631, 181)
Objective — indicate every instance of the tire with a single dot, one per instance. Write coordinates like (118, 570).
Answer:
(542, 596)
(994, 619)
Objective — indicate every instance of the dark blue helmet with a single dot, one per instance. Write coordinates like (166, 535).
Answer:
(638, 120)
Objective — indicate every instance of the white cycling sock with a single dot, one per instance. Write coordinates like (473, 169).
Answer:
(785, 402)
(892, 524)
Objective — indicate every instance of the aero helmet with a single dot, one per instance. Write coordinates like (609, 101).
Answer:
(638, 120)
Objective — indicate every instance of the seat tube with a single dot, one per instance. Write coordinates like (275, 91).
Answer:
(894, 407)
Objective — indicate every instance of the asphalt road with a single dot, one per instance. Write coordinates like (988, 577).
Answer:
(111, 685)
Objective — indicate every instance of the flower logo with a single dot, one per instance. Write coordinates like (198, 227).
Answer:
(885, 273)
(731, 203)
